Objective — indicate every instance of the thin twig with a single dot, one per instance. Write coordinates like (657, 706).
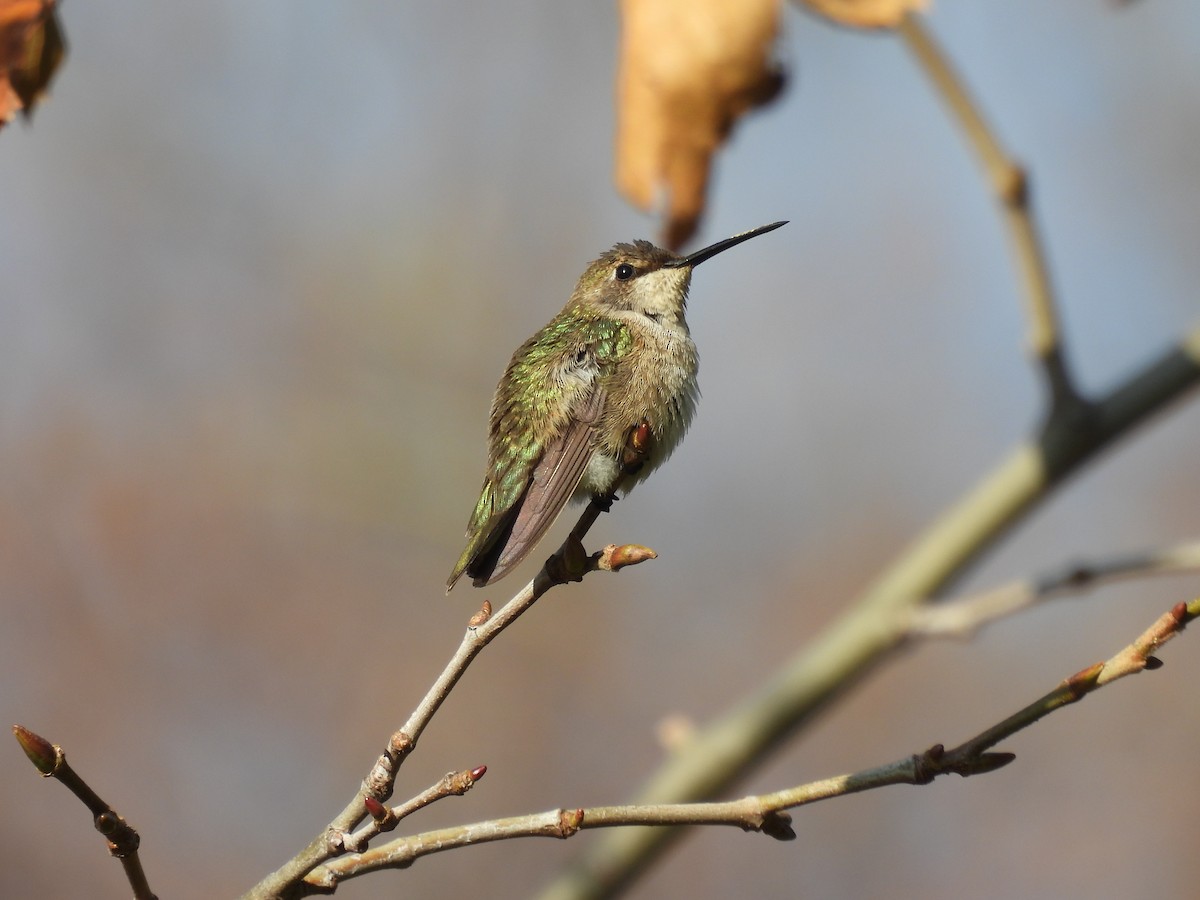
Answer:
(568, 563)
(962, 617)
(721, 752)
(384, 819)
(122, 839)
(767, 813)
(1010, 183)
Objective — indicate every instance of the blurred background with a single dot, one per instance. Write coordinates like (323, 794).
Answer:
(261, 266)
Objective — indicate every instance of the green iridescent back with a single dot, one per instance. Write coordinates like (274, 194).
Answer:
(533, 404)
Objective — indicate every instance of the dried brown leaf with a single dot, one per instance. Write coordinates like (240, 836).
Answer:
(689, 69)
(31, 48)
(867, 13)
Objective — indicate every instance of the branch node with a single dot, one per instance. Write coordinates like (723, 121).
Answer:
(335, 841)
(778, 824)
(357, 843)
(400, 744)
(107, 822)
(1076, 575)
(484, 613)
(1083, 681)
(928, 765)
(379, 780)
(1012, 185)
(569, 822)
(984, 763)
(458, 783)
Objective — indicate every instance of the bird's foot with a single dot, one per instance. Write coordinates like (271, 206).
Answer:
(637, 447)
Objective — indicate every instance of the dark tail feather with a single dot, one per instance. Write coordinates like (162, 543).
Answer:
(482, 568)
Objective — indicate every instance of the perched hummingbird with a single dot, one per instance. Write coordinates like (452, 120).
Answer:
(618, 355)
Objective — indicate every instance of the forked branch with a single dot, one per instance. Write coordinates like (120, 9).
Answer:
(569, 563)
(767, 813)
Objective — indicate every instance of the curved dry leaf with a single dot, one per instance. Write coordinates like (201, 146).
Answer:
(31, 48)
(867, 13)
(689, 69)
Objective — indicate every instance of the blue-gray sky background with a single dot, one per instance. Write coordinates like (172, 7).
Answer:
(260, 268)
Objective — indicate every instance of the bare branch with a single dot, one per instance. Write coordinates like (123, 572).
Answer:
(569, 563)
(866, 634)
(1010, 183)
(122, 839)
(767, 813)
(963, 617)
(384, 819)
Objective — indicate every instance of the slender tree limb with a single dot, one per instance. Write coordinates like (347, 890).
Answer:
(1010, 183)
(767, 813)
(963, 617)
(1073, 432)
(122, 839)
(569, 563)
(863, 637)
(1131, 659)
(384, 818)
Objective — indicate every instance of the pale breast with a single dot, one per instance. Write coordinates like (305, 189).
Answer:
(657, 382)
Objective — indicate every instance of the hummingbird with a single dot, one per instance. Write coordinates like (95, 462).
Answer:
(617, 358)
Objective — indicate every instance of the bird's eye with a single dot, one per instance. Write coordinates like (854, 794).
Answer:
(625, 271)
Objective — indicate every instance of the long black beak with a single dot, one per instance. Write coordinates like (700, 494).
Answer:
(694, 259)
